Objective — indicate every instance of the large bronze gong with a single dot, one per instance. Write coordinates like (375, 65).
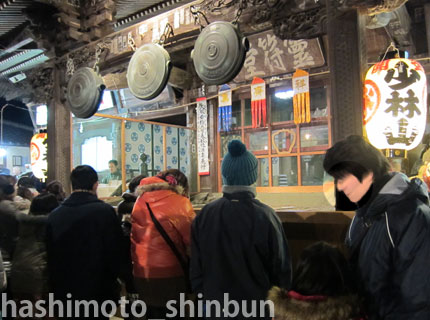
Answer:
(148, 71)
(84, 92)
(219, 53)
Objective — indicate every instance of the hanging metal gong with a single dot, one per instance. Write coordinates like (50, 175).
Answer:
(84, 92)
(219, 53)
(148, 71)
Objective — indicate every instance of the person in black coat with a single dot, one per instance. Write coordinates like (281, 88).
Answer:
(124, 211)
(84, 243)
(29, 275)
(238, 244)
(389, 237)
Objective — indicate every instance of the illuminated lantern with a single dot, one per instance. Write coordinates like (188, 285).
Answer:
(39, 164)
(395, 104)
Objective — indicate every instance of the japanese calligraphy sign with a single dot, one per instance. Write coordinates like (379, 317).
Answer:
(269, 56)
(38, 150)
(224, 108)
(202, 137)
(395, 104)
(258, 102)
(301, 99)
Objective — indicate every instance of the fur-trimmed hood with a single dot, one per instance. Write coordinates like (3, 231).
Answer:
(156, 184)
(333, 308)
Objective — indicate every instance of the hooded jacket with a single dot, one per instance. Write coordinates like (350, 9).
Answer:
(29, 268)
(83, 243)
(239, 248)
(152, 257)
(9, 227)
(332, 308)
(389, 240)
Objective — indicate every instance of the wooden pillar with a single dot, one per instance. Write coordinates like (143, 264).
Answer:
(59, 136)
(348, 64)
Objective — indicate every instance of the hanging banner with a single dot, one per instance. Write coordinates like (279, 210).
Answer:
(258, 102)
(301, 99)
(224, 108)
(202, 137)
(395, 104)
(39, 163)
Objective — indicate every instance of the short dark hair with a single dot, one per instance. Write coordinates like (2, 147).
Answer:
(323, 270)
(25, 182)
(355, 156)
(134, 183)
(6, 188)
(56, 188)
(114, 162)
(83, 177)
(43, 204)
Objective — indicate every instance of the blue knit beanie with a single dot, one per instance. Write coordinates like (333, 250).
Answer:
(239, 166)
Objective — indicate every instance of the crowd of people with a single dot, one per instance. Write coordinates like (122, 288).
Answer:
(154, 247)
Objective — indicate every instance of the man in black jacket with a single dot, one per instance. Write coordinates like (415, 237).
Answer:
(238, 244)
(83, 243)
(389, 237)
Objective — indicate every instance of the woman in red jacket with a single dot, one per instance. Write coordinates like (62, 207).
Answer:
(158, 274)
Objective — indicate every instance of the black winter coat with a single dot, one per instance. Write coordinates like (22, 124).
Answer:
(238, 247)
(29, 268)
(83, 242)
(390, 240)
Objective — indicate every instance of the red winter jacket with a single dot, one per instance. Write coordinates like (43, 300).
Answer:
(151, 255)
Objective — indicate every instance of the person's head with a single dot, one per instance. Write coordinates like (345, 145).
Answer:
(7, 190)
(175, 177)
(25, 193)
(85, 178)
(113, 166)
(134, 183)
(56, 188)
(25, 182)
(239, 166)
(43, 204)
(322, 270)
(355, 164)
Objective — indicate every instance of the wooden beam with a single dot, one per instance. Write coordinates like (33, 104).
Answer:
(150, 30)
(102, 17)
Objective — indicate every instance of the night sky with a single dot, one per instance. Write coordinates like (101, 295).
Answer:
(17, 124)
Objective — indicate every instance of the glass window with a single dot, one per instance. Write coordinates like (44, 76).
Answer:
(226, 138)
(248, 115)
(258, 141)
(282, 105)
(96, 152)
(284, 140)
(314, 137)
(318, 102)
(263, 172)
(312, 170)
(284, 171)
(96, 141)
(236, 119)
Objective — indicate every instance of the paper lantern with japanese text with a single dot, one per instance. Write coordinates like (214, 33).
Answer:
(395, 104)
(39, 164)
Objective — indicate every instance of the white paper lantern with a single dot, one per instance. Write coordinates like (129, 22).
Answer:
(39, 165)
(395, 104)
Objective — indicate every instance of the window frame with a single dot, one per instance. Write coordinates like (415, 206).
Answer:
(270, 128)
